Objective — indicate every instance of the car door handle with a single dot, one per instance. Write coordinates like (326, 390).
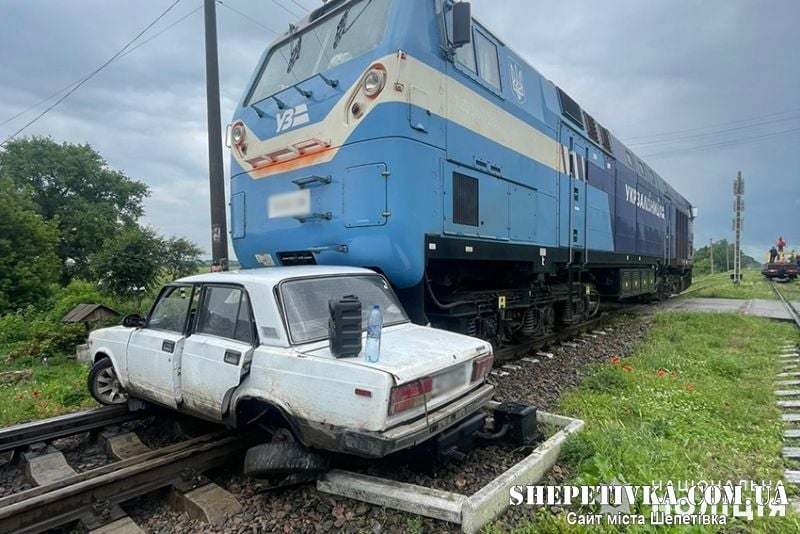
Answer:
(168, 346)
(233, 357)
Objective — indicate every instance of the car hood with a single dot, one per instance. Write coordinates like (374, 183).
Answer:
(410, 351)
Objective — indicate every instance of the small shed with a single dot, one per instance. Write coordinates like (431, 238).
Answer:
(87, 313)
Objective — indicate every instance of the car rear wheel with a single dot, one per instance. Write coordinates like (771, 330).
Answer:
(104, 384)
(280, 459)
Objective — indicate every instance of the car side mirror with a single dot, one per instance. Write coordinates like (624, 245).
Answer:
(344, 326)
(133, 320)
(462, 24)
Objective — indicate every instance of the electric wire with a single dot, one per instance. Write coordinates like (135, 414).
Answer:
(85, 79)
(731, 142)
(301, 6)
(292, 13)
(716, 132)
(248, 17)
(632, 139)
(40, 102)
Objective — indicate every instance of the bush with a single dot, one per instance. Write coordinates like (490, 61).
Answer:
(77, 292)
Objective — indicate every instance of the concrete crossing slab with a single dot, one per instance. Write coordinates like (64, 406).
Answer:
(789, 404)
(790, 417)
(791, 452)
(787, 392)
(787, 382)
(792, 477)
(792, 433)
(771, 309)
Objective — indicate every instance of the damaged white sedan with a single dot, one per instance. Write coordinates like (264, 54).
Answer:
(281, 348)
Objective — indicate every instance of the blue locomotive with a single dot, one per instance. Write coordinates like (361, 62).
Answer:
(404, 136)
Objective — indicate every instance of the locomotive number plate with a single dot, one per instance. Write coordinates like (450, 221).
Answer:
(294, 204)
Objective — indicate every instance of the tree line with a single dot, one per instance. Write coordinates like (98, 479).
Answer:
(66, 215)
(723, 252)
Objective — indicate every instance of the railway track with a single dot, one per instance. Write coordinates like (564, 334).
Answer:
(92, 497)
(18, 436)
(788, 305)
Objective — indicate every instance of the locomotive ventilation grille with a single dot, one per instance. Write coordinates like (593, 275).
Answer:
(465, 200)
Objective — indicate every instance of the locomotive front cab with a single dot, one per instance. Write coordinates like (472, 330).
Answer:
(325, 151)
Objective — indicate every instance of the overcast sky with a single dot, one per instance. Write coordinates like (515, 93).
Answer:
(720, 79)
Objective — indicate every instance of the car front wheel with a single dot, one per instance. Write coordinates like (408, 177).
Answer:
(104, 384)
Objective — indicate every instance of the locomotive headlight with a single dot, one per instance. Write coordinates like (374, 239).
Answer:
(238, 133)
(374, 82)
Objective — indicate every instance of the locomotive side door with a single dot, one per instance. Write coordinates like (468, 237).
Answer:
(573, 217)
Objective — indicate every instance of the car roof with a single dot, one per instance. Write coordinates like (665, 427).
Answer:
(273, 275)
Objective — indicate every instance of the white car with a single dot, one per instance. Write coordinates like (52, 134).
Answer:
(254, 347)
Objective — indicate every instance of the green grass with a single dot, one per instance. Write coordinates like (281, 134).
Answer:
(54, 389)
(711, 416)
(752, 286)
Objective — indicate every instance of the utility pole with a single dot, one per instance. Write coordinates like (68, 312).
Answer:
(727, 257)
(216, 173)
(711, 251)
(738, 221)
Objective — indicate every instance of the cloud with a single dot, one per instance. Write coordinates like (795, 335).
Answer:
(640, 68)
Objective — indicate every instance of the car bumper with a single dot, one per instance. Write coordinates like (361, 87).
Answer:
(379, 444)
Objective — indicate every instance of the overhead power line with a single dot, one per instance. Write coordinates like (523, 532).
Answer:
(677, 139)
(301, 6)
(730, 142)
(633, 140)
(248, 17)
(88, 77)
(283, 7)
(40, 102)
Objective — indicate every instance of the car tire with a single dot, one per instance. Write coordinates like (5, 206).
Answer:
(104, 384)
(281, 459)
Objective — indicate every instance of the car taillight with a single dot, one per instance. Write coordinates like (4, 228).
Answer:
(481, 367)
(409, 395)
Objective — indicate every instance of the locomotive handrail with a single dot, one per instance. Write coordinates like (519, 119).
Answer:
(308, 180)
(327, 216)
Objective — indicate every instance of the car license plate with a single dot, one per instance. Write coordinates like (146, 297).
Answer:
(448, 381)
(294, 204)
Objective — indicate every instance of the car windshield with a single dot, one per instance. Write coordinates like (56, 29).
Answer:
(348, 33)
(305, 303)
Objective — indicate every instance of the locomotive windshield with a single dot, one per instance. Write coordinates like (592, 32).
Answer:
(339, 37)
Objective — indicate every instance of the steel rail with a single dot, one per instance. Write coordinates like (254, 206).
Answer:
(795, 315)
(17, 436)
(52, 505)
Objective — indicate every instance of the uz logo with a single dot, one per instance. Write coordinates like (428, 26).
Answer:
(517, 81)
(292, 117)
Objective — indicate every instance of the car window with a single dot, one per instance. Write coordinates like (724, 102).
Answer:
(225, 312)
(171, 310)
(305, 303)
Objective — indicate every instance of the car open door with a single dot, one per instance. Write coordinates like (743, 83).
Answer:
(218, 351)
(155, 351)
